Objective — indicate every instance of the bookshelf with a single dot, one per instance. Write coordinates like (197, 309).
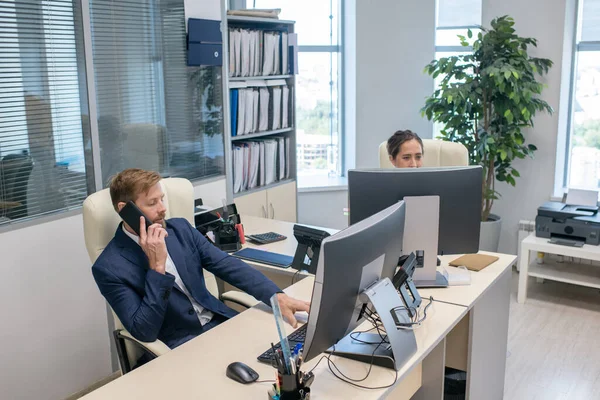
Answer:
(259, 200)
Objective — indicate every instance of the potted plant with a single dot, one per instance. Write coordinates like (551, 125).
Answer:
(485, 100)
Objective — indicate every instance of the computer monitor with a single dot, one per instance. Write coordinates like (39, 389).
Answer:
(349, 262)
(459, 189)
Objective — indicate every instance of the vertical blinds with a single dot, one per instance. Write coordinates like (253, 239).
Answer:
(590, 21)
(42, 101)
(149, 114)
(457, 13)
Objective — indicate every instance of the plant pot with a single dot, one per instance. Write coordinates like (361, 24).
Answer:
(490, 234)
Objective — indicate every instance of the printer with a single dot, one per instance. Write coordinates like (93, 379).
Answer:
(568, 224)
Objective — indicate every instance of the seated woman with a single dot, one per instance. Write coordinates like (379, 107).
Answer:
(405, 149)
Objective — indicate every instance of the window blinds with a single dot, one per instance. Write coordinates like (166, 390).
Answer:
(459, 13)
(590, 21)
(42, 107)
(154, 112)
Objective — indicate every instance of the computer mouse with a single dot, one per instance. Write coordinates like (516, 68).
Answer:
(241, 373)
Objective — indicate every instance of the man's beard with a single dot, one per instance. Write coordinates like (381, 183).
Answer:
(163, 221)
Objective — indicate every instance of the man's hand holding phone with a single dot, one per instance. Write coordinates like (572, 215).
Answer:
(153, 243)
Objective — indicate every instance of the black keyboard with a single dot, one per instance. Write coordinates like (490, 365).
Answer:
(294, 338)
(266, 238)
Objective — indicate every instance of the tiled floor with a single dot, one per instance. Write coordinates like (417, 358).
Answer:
(554, 343)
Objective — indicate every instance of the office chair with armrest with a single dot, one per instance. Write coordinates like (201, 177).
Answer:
(100, 223)
(438, 153)
(15, 170)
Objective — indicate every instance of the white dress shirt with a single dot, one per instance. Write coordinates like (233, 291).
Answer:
(203, 315)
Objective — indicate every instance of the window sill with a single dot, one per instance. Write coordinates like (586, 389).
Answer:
(309, 184)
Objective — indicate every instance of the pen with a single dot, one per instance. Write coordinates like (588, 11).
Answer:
(275, 357)
(293, 365)
(284, 369)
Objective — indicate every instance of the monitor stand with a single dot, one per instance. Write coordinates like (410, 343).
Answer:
(402, 342)
(440, 281)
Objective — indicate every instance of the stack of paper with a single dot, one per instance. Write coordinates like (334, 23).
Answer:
(270, 161)
(255, 52)
(238, 168)
(260, 162)
(285, 92)
(259, 106)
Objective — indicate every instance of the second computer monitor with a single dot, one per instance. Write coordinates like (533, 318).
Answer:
(459, 189)
(350, 261)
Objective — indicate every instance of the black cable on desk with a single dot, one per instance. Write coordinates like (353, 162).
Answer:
(295, 275)
(351, 381)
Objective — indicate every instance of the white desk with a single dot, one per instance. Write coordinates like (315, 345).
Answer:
(197, 368)
(281, 276)
(477, 345)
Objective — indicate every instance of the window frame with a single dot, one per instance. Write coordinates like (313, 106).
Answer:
(335, 51)
(94, 179)
(447, 49)
(564, 146)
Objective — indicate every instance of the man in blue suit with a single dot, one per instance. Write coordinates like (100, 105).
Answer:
(154, 282)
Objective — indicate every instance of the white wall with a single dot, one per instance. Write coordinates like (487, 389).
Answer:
(394, 42)
(545, 21)
(206, 9)
(323, 208)
(54, 338)
(211, 193)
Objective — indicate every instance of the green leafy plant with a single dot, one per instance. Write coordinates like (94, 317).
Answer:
(486, 98)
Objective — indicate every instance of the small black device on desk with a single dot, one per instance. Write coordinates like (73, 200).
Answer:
(209, 220)
(241, 373)
(403, 282)
(266, 238)
(309, 247)
(223, 222)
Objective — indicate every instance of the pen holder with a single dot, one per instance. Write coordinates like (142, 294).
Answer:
(292, 387)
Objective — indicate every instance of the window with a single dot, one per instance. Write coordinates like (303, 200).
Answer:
(43, 123)
(151, 110)
(154, 112)
(582, 167)
(454, 18)
(319, 133)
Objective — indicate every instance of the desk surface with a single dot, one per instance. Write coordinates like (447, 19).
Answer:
(197, 368)
(481, 281)
(255, 225)
(461, 295)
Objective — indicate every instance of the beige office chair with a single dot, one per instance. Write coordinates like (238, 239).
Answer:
(437, 153)
(100, 222)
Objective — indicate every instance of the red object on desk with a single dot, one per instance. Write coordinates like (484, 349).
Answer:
(240, 229)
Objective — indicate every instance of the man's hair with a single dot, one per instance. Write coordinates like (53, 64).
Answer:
(128, 184)
(396, 141)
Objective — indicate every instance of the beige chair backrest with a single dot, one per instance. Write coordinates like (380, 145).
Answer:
(100, 222)
(437, 153)
(144, 143)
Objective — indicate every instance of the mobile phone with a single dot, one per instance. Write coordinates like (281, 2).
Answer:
(131, 215)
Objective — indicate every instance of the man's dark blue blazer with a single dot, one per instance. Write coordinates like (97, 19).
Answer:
(150, 305)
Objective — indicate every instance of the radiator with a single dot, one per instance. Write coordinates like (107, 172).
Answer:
(525, 229)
